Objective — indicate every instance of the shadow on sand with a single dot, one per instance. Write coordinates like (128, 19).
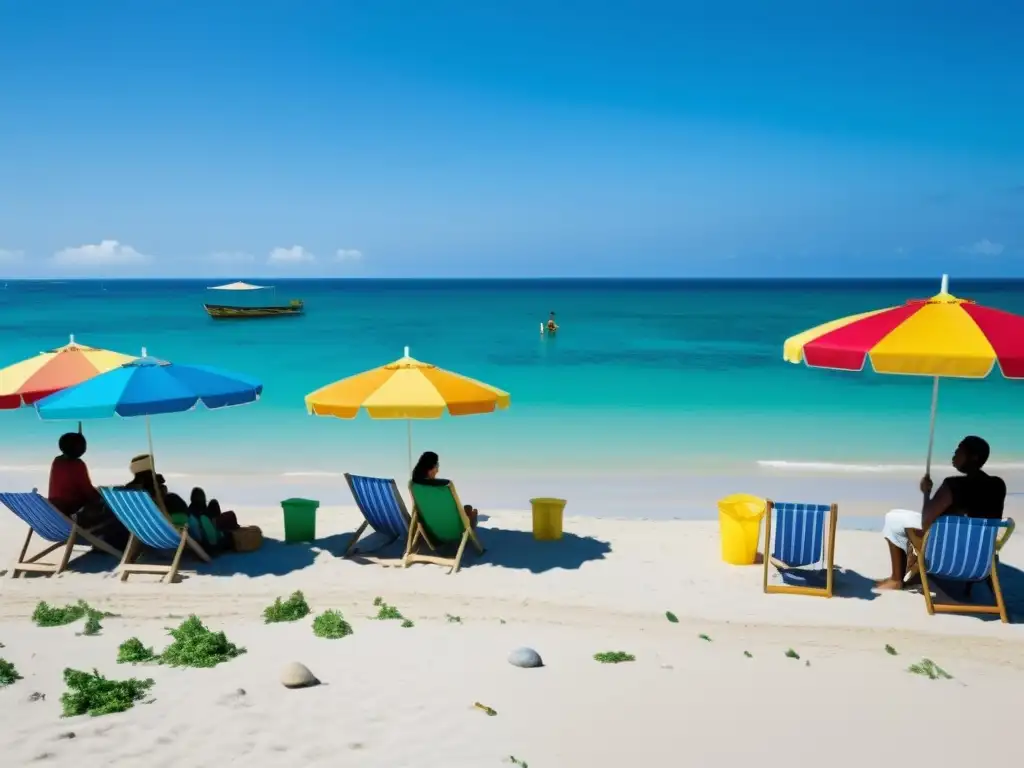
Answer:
(504, 549)
(846, 583)
(1011, 579)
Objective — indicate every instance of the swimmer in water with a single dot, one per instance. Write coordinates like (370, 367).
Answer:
(552, 325)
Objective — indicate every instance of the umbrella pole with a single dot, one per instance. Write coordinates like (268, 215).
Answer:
(408, 432)
(152, 460)
(931, 430)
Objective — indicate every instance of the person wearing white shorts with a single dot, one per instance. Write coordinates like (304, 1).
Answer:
(973, 493)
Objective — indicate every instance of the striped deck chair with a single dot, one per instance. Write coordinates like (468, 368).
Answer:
(964, 549)
(49, 523)
(801, 546)
(438, 515)
(383, 510)
(151, 527)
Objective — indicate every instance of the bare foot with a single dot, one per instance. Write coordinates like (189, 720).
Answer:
(889, 584)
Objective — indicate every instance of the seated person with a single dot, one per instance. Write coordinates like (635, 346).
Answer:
(425, 473)
(974, 494)
(216, 525)
(144, 479)
(71, 489)
(72, 492)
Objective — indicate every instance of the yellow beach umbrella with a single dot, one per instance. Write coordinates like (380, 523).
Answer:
(406, 389)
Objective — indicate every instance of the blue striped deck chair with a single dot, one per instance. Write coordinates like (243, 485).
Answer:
(149, 526)
(964, 549)
(50, 524)
(803, 547)
(383, 510)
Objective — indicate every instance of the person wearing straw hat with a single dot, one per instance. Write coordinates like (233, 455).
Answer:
(973, 493)
(217, 526)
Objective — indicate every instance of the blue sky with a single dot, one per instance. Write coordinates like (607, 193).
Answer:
(400, 139)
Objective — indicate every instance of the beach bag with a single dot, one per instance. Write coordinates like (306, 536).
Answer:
(247, 538)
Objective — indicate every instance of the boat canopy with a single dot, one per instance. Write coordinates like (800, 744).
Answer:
(239, 286)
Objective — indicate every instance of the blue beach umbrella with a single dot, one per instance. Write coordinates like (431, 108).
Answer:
(148, 387)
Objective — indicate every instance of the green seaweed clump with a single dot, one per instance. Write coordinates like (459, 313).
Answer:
(387, 612)
(132, 651)
(196, 646)
(46, 615)
(331, 625)
(93, 694)
(8, 674)
(931, 670)
(613, 657)
(292, 609)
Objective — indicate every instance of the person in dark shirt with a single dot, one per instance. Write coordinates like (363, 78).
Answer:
(973, 493)
(425, 473)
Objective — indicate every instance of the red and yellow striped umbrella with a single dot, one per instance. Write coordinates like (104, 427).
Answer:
(940, 336)
(30, 380)
(943, 336)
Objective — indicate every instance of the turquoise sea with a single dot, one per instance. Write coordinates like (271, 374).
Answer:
(659, 377)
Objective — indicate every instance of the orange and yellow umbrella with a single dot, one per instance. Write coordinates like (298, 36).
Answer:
(30, 380)
(943, 336)
(406, 389)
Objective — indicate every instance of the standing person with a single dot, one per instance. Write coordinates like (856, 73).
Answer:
(425, 473)
(974, 493)
(552, 325)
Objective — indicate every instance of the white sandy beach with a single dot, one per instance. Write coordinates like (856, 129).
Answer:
(398, 696)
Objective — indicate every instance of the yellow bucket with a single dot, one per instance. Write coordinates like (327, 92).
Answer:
(547, 518)
(739, 521)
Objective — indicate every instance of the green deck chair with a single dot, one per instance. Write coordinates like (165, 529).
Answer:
(438, 517)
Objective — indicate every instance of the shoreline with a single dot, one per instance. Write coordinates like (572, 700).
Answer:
(683, 493)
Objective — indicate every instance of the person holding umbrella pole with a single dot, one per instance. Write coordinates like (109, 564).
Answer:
(973, 493)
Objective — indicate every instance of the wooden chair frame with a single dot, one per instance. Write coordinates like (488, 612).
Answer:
(919, 543)
(830, 552)
(416, 532)
(351, 550)
(168, 573)
(34, 564)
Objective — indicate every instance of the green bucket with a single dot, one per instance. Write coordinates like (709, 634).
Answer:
(299, 519)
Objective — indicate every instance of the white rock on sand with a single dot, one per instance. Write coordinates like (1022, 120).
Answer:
(405, 697)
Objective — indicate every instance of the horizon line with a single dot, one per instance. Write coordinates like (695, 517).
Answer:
(638, 278)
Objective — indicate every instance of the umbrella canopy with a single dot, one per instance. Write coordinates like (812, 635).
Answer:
(33, 379)
(943, 336)
(147, 387)
(940, 336)
(406, 389)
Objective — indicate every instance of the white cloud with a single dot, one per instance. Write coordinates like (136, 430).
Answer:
(104, 254)
(231, 257)
(8, 256)
(294, 255)
(984, 247)
(348, 254)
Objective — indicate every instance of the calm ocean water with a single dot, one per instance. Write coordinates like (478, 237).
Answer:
(645, 376)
